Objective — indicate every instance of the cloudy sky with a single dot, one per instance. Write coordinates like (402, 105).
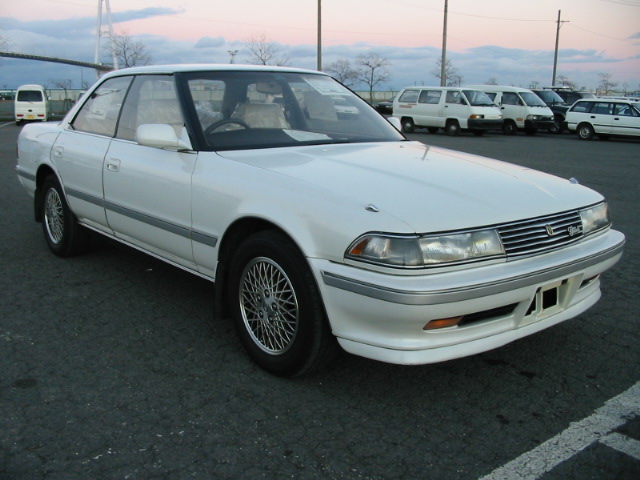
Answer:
(511, 41)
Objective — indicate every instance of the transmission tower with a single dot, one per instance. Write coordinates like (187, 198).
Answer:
(100, 32)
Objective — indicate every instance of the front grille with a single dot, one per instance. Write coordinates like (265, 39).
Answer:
(538, 235)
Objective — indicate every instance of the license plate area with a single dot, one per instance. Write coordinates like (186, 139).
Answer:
(548, 300)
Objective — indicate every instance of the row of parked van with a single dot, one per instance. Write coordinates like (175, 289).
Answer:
(475, 108)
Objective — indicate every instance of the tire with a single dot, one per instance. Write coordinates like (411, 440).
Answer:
(452, 128)
(62, 232)
(276, 306)
(432, 129)
(509, 127)
(559, 122)
(585, 131)
(407, 125)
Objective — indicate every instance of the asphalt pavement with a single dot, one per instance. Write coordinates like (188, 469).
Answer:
(114, 366)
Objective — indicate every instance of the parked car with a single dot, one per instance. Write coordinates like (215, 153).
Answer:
(31, 103)
(385, 106)
(315, 226)
(521, 109)
(557, 106)
(451, 108)
(604, 117)
(571, 96)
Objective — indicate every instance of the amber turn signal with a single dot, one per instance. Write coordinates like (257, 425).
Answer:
(442, 323)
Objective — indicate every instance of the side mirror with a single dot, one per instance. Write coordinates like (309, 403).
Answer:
(161, 135)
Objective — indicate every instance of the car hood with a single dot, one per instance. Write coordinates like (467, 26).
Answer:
(427, 188)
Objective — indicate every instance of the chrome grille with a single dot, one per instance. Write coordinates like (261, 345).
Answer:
(538, 235)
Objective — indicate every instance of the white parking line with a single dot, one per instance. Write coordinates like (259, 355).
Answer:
(5, 124)
(623, 444)
(598, 427)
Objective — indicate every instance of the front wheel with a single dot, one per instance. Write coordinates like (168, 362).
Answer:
(276, 306)
(62, 232)
(452, 128)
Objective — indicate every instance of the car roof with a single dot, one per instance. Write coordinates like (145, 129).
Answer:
(182, 68)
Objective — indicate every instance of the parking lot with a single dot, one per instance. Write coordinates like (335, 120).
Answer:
(114, 366)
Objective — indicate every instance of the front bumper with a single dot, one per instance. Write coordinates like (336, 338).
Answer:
(382, 316)
(484, 124)
(544, 124)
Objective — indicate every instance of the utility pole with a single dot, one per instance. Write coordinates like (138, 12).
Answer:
(319, 35)
(443, 66)
(108, 33)
(233, 54)
(555, 56)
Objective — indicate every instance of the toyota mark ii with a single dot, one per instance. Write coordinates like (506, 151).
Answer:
(318, 221)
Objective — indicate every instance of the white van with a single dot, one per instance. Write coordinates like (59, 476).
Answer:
(31, 103)
(451, 108)
(521, 109)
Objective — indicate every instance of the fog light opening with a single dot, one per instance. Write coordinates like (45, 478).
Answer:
(442, 323)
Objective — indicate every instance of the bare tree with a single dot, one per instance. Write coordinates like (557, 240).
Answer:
(564, 81)
(65, 85)
(262, 51)
(606, 85)
(372, 71)
(130, 52)
(450, 72)
(491, 81)
(342, 71)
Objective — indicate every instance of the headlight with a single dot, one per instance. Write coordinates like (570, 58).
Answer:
(595, 218)
(533, 117)
(425, 251)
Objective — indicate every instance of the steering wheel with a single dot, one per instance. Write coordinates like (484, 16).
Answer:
(225, 121)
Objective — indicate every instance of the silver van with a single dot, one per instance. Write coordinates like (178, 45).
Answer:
(451, 108)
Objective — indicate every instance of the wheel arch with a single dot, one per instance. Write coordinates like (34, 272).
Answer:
(230, 242)
(43, 172)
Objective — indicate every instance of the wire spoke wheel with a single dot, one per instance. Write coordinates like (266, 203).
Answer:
(269, 306)
(54, 216)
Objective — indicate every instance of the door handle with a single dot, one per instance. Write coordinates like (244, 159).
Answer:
(113, 165)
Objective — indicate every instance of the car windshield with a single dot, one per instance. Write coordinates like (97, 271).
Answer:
(477, 98)
(550, 97)
(532, 99)
(255, 109)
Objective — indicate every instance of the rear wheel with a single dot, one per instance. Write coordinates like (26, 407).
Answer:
(276, 306)
(585, 131)
(407, 125)
(62, 232)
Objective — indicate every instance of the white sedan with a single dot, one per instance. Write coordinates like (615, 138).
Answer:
(318, 228)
